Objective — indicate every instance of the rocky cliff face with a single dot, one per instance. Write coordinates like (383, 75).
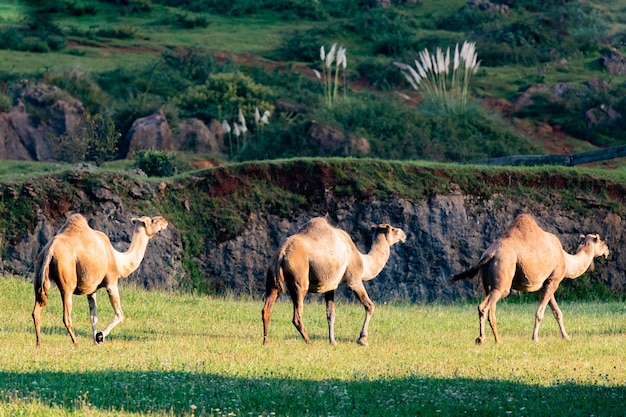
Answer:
(445, 235)
(446, 231)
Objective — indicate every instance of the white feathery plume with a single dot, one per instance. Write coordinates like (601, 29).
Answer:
(341, 57)
(225, 126)
(242, 120)
(257, 115)
(330, 58)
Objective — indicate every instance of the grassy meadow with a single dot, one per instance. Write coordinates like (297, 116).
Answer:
(183, 354)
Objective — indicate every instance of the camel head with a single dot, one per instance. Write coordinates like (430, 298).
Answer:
(392, 234)
(599, 247)
(152, 225)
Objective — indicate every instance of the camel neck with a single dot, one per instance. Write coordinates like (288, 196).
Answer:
(376, 258)
(576, 265)
(129, 261)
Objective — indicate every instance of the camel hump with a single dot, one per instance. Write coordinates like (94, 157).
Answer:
(522, 227)
(76, 223)
(316, 225)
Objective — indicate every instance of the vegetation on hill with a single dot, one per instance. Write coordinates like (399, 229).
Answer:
(208, 59)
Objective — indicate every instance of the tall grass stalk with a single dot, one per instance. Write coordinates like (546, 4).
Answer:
(332, 62)
(184, 354)
(444, 80)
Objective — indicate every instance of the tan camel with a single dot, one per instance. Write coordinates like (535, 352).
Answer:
(317, 260)
(528, 259)
(80, 260)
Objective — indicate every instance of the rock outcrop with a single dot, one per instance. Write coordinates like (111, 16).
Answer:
(446, 231)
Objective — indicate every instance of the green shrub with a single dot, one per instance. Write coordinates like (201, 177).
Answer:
(93, 138)
(223, 95)
(6, 102)
(156, 163)
(79, 85)
(191, 63)
(118, 32)
(397, 131)
(303, 46)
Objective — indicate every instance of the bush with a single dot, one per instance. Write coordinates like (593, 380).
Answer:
(192, 64)
(79, 85)
(94, 138)
(223, 95)
(156, 163)
(397, 131)
(303, 46)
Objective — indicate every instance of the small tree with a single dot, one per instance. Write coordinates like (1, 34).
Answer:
(94, 139)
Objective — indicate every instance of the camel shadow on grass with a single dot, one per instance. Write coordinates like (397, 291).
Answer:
(205, 393)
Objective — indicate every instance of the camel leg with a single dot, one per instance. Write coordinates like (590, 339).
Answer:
(546, 295)
(270, 298)
(330, 316)
(487, 309)
(493, 322)
(114, 297)
(360, 292)
(298, 306)
(67, 314)
(37, 310)
(558, 315)
(93, 314)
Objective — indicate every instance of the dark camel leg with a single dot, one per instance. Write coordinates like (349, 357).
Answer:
(93, 314)
(484, 311)
(37, 320)
(546, 295)
(558, 315)
(297, 296)
(270, 298)
(493, 322)
(66, 297)
(114, 297)
(360, 292)
(330, 316)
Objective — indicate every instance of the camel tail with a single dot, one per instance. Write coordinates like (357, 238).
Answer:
(42, 277)
(470, 273)
(275, 279)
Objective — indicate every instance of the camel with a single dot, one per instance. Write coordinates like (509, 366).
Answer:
(81, 260)
(317, 260)
(528, 259)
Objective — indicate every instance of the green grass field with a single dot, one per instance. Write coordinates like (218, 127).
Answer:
(194, 355)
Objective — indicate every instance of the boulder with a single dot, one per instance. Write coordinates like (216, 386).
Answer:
(193, 135)
(329, 141)
(41, 110)
(613, 61)
(151, 132)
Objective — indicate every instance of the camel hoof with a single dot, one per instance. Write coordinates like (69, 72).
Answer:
(99, 338)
